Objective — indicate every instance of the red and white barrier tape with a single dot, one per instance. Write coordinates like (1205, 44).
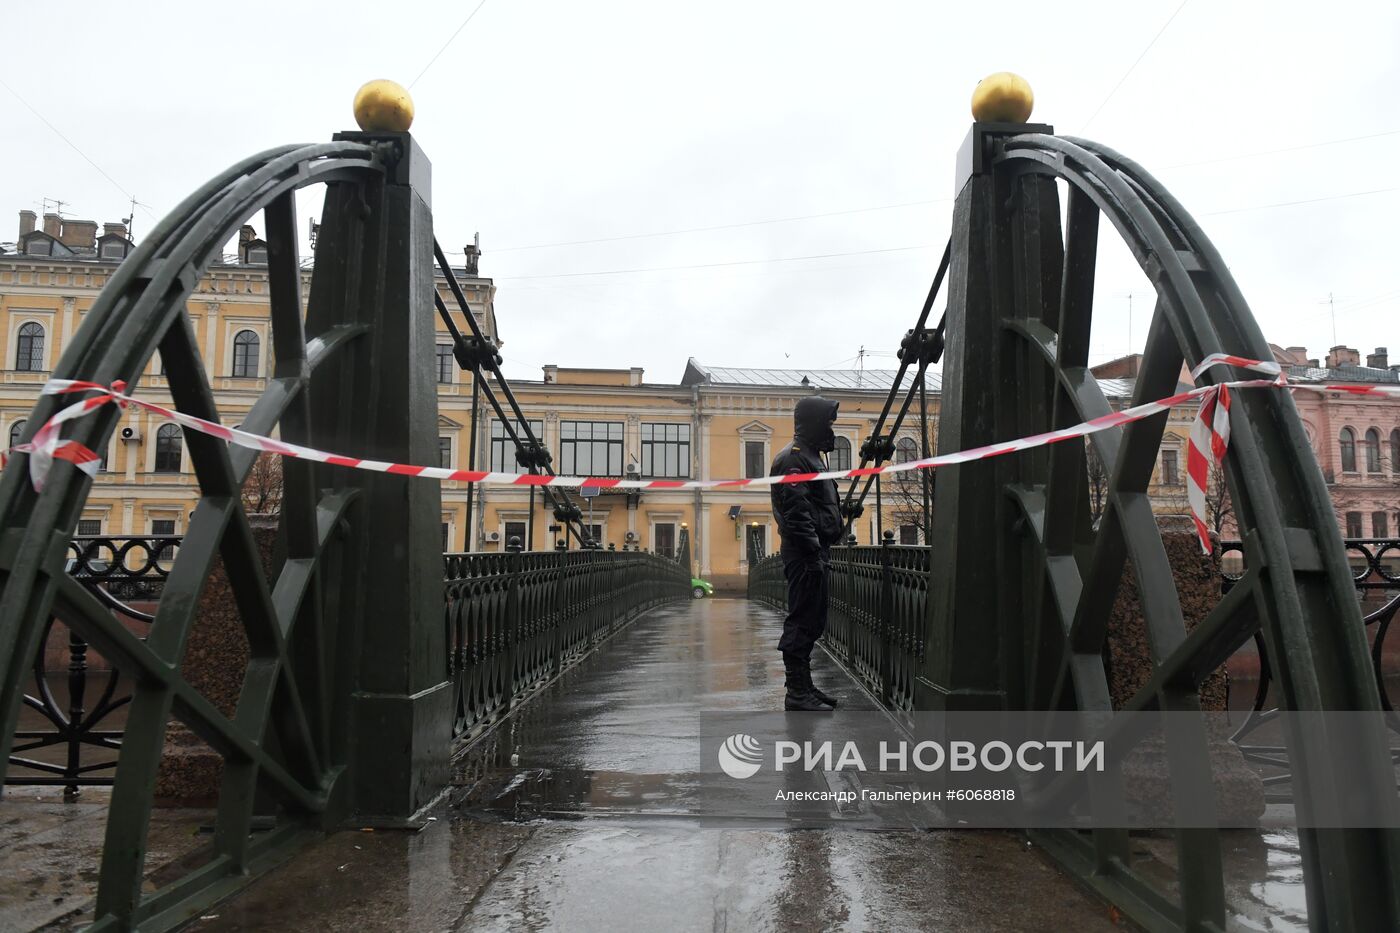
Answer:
(1210, 434)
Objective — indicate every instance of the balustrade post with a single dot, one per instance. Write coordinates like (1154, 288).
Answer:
(561, 608)
(77, 687)
(511, 653)
(885, 623)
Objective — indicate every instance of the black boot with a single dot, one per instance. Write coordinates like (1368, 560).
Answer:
(812, 688)
(799, 695)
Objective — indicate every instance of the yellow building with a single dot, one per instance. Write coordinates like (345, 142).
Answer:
(51, 276)
(713, 423)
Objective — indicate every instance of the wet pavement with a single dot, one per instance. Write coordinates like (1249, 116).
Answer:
(50, 850)
(574, 816)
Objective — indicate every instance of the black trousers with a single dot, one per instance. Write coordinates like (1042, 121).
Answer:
(808, 584)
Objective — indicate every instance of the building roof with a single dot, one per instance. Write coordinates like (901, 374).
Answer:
(872, 380)
(1341, 374)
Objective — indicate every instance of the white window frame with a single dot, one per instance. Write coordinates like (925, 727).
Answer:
(45, 319)
(232, 327)
(754, 431)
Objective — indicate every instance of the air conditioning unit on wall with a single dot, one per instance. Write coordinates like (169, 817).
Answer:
(493, 536)
(633, 469)
(131, 434)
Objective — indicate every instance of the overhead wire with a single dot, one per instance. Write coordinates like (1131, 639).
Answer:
(450, 40)
(1134, 65)
(74, 146)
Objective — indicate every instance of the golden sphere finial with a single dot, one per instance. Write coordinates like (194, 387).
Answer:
(1002, 98)
(382, 106)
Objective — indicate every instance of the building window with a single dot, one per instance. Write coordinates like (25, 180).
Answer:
(1170, 476)
(663, 539)
(665, 450)
(113, 251)
(840, 458)
(17, 431)
(754, 465)
(1354, 525)
(169, 445)
(257, 256)
(1348, 444)
(590, 448)
(165, 527)
(1395, 451)
(908, 534)
(446, 537)
(757, 542)
(444, 362)
(515, 530)
(245, 354)
(38, 247)
(445, 452)
(595, 533)
(503, 448)
(1373, 451)
(1380, 527)
(30, 356)
(89, 526)
(905, 450)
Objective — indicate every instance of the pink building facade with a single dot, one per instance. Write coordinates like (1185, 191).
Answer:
(1356, 438)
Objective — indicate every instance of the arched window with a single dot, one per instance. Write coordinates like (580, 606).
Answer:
(905, 450)
(245, 354)
(1395, 451)
(30, 355)
(1348, 441)
(1373, 451)
(16, 432)
(840, 458)
(168, 448)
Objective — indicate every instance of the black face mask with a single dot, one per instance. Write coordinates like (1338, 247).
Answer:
(812, 420)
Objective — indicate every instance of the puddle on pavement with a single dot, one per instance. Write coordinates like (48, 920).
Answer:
(563, 793)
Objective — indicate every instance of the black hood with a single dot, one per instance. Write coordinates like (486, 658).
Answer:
(812, 420)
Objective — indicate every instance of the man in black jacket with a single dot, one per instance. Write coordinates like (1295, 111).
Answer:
(809, 520)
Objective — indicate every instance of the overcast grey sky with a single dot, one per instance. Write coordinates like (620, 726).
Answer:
(552, 122)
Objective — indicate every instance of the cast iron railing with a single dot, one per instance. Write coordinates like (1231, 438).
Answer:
(878, 595)
(516, 620)
(876, 622)
(1375, 566)
(512, 627)
(123, 573)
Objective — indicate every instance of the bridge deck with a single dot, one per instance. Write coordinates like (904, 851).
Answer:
(587, 832)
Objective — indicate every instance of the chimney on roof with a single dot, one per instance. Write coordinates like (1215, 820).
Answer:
(1340, 356)
(1379, 359)
(473, 252)
(53, 225)
(634, 376)
(247, 234)
(27, 220)
(79, 233)
(115, 230)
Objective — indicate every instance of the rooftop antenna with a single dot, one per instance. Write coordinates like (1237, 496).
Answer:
(58, 206)
(860, 367)
(128, 221)
(1332, 309)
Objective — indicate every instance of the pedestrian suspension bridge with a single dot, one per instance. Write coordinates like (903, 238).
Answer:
(373, 660)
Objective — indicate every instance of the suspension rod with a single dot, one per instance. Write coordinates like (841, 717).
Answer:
(549, 494)
(919, 327)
